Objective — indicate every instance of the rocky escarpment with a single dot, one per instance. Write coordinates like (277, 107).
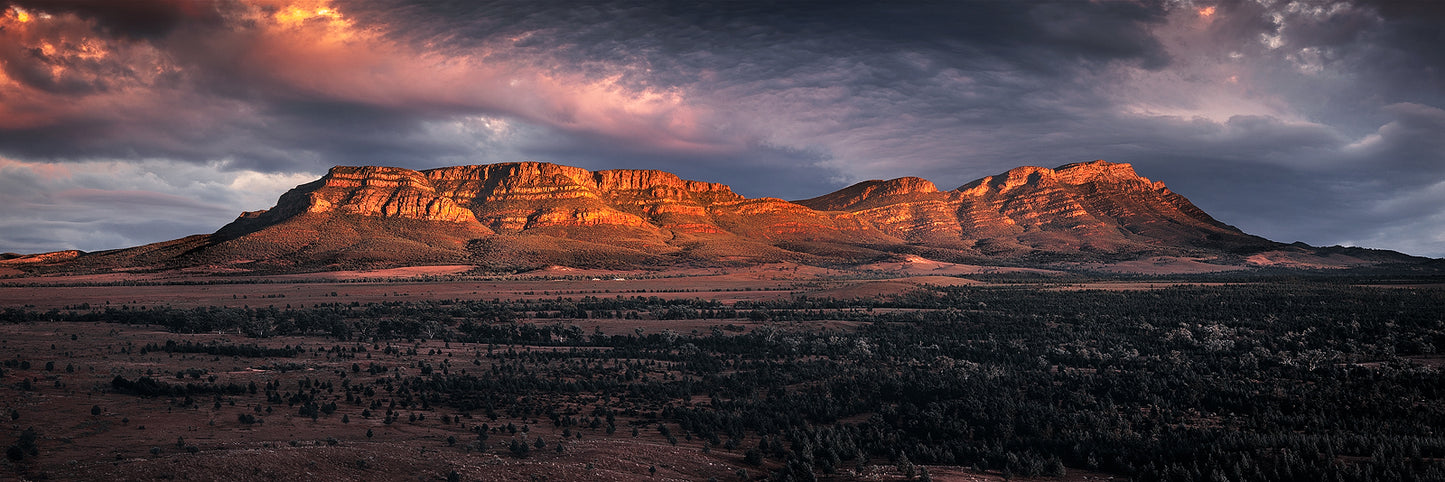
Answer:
(367, 191)
(519, 196)
(525, 196)
(534, 212)
(528, 214)
(875, 193)
(1093, 206)
(1097, 206)
(910, 208)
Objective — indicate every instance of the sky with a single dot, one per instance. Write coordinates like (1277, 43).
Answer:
(135, 121)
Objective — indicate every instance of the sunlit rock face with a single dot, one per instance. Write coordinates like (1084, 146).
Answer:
(1093, 206)
(529, 214)
(386, 192)
(908, 207)
(519, 196)
(1097, 206)
(516, 197)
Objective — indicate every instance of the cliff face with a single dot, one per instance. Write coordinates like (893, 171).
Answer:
(516, 197)
(534, 212)
(519, 196)
(378, 191)
(1093, 206)
(541, 213)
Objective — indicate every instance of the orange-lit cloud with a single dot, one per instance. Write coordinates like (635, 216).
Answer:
(315, 48)
(312, 49)
(20, 16)
(295, 15)
(783, 99)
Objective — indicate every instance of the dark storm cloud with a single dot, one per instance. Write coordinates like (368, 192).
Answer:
(758, 171)
(133, 19)
(880, 56)
(1405, 51)
(753, 41)
(1259, 111)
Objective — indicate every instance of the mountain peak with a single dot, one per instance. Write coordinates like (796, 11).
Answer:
(870, 193)
(1071, 174)
(527, 214)
(1092, 171)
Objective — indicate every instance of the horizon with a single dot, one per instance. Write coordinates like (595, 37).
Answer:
(145, 121)
(795, 200)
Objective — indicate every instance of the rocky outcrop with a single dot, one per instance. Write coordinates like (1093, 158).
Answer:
(869, 194)
(516, 197)
(515, 215)
(1098, 206)
(1092, 206)
(367, 191)
(910, 208)
(502, 217)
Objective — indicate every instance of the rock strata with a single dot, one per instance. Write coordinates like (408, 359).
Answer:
(516, 215)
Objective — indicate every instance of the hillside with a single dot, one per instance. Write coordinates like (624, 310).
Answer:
(519, 216)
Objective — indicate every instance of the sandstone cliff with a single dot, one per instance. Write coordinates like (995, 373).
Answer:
(528, 214)
(1094, 206)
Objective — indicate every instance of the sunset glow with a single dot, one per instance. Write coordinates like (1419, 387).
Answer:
(1048, 240)
(293, 15)
(786, 102)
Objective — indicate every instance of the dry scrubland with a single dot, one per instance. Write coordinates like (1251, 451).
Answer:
(138, 437)
(155, 438)
(167, 438)
(774, 372)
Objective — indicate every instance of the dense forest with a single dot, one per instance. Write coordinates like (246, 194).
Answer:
(1279, 381)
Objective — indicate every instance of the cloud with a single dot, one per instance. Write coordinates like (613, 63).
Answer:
(1261, 111)
(1410, 221)
(268, 68)
(1407, 146)
(97, 205)
(131, 19)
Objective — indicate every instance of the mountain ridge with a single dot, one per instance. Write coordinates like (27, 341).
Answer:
(523, 215)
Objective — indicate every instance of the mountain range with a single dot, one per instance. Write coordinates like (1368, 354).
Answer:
(525, 215)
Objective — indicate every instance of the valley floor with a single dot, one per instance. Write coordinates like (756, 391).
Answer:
(733, 376)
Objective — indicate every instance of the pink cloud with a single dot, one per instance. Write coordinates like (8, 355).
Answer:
(42, 171)
(311, 51)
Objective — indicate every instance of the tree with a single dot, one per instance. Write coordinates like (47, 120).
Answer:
(753, 457)
(519, 448)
